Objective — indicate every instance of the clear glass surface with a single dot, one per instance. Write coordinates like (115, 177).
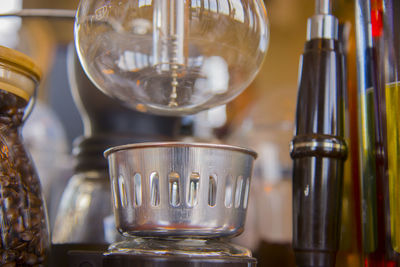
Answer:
(178, 247)
(85, 214)
(172, 57)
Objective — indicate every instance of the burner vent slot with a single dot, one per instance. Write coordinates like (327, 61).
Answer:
(193, 192)
(212, 190)
(154, 189)
(137, 190)
(239, 189)
(173, 189)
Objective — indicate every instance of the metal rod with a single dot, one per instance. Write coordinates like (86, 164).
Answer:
(323, 7)
(42, 13)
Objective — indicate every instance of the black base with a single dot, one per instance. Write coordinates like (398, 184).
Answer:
(61, 256)
(173, 261)
(97, 259)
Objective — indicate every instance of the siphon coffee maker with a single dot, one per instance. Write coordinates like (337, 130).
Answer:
(85, 220)
(177, 203)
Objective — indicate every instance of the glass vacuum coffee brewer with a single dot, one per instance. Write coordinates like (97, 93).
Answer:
(176, 203)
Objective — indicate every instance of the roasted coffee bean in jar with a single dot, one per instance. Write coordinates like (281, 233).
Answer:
(23, 220)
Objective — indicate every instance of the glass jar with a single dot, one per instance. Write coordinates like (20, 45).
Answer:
(23, 220)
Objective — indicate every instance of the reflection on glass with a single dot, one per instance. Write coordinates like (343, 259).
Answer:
(85, 212)
(172, 56)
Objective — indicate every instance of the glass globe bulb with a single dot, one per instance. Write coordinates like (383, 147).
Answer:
(172, 57)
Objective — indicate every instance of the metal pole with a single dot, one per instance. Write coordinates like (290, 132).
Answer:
(42, 13)
(323, 7)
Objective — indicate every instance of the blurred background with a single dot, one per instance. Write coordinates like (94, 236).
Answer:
(261, 118)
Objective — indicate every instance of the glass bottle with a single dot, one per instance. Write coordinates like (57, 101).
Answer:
(23, 217)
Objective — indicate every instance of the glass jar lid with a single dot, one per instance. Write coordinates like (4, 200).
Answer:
(18, 73)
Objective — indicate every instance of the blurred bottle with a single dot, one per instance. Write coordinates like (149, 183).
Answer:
(44, 136)
(386, 42)
(372, 242)
(349, 253)
(389, 97)
(378, 40)
(268, 230)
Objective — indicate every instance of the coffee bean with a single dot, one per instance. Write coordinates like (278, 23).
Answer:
(8, 203)
(34, 200)
(11, 111)
(11, 193)
(26, 236)
(21, 246)
(9, 255)
(36, 219)
(31, 259)
(15, 242)
(19, 227)
(12, 215)
(5, 120)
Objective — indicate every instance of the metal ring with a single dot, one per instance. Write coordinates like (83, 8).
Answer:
(42, 13)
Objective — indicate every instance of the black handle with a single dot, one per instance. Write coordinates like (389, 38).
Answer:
(318, 151)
